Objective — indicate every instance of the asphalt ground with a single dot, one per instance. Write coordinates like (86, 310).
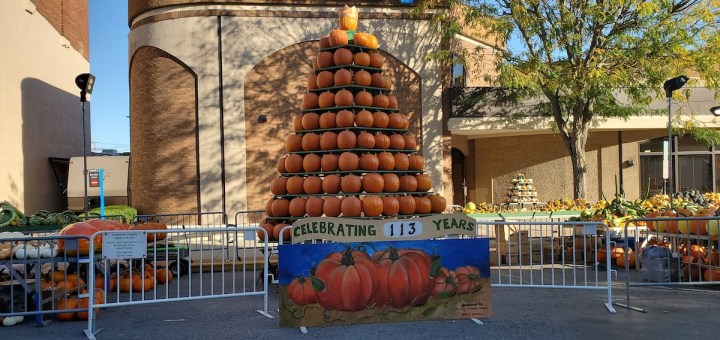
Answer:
(518, 313)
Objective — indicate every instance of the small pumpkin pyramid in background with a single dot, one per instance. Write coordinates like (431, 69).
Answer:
(351, 154)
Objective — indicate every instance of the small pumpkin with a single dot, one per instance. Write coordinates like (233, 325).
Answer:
(365, 140)
(422, 205)
(326, 99)
(364, 119)
(416, 162)
(377, 80)
(66, 304)
(391, 206)
(295, 185)
(343, 98)
(325, 59)
(424, 182)
(408, 183)
(392, 100)
(328, 140)
(410, 141)
(397, 142)
(351, 184)
(301, 292)
(351, 206)
(268, 231)
(372, 206)
(396, 120)
(294, 163)
(278, 186)
(373, 183)
(286, 235)
(437, 204)
(377, 60)
(310, 142)
(345, 118)
(364, 98)
(312, 185)
(342, 56)
(332, 206)
(311, 162)
(362, 78)
(348, 161)
(380, 119)
(382, 141)
(297, 207)
(309, 101)
(331, 184)
(310, 121)
(380, 100)
(386, 159)
(324, 42)
(338, 38)
(293, 143)
(362, 59)
(401, 161)
(343, 77)
(327, 120)
(468, 279)
(297, 123)
(361, 39)
(407, 205)
(268, 207)
(369, 162)
(312, 82)
(392, 182)
(346, 140)
(325, 79)
(329, 162)
(314, 206)
(281, 208)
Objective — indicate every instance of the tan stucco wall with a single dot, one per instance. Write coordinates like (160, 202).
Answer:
(39, 107)
(543, 158)
(246, 41)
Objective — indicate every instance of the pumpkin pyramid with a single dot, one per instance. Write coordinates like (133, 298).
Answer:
(351, 154)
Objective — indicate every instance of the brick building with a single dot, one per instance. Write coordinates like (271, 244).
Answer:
(39, 102)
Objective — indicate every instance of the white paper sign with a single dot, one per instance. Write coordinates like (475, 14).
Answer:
(125, 245)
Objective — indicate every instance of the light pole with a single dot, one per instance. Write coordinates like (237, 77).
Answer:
(85, 82)
(671, 85)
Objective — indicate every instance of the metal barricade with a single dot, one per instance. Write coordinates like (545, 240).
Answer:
(187, 220)
(223, 262)
(548, 255)
(43, 275)
(672, 252)
(250, 218)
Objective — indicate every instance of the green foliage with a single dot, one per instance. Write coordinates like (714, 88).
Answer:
(116, 210)
(589, 59)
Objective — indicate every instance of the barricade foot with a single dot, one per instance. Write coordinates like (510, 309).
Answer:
(477, 321)
(90, 335)
(610, 307)
(303, 330)
(629, 307)
(266, 314)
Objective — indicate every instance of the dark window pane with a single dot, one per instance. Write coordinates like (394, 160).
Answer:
(653, 145)
(651, 172)
(690, 144)
(695, 173)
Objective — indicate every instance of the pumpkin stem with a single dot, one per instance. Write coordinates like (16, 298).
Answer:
(347, 259)
(393, 254)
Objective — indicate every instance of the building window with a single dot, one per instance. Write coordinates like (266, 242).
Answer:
(693, 166)
(458, 72)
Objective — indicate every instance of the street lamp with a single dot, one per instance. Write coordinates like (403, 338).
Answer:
(715, 110)
(671, 85)
(85, 82)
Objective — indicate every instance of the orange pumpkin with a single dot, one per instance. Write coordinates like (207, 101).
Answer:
(397, 142)
(279, 186)
(424, 182)
(416, 162)
(325, 59)
(331, 184)
(286, 235)
(345, 118)
(310, 121)
(346, 140)
(391, 206)
(386, 160)
(312, 82)
(382, 141)
(395, 121)
(84, 303)
(342, 56)
(348, 161)
(362, 59)
(369, 162)
(293, 143)
(328, 140)
(329, 162)
(301, 291)
(364, 119)
(82, 231)
(408, 183)
(268, 227)
(422, 205)
(401, 161)
(410, 141)
(372, 205)
(362, 77)
(407, 205)
(312, 185)
(338, 38)
(392, 100)
(361, 39)
(343, 77)
(297, 207)
(343, 98)
(314, 206)
(311, 162)
(294, 162)
(280, 167)
(66, 304)
(324, 42)
(365, 140)
(325, 79)
(377, 60)
(373, 183)
(294, 185)
(309, 101)
(380, 119)
(327, 120)
(281, 208)
(163, 275)
(364, 98)
(380, 100)
(351, 206)
(392, 182)
(437, 203)
(326, 99)
(268, 207)
(332, 206)
(351, 184)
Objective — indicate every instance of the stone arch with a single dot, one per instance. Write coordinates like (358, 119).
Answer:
(163, 124)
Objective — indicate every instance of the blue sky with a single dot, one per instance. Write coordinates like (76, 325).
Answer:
(109, 101)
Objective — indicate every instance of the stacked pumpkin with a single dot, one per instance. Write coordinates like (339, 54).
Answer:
(351, 154)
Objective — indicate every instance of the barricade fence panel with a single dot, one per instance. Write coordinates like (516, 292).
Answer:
(250, 218)
(187, 220)
(178, 265)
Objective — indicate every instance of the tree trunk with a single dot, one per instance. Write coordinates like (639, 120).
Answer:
(578, 140)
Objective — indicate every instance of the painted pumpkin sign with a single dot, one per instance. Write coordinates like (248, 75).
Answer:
(347, 283)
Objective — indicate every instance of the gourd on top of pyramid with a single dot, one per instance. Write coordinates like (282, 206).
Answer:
(347, 34)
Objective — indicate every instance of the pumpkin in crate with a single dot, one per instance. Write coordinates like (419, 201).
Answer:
(351, 184)
(392, 182)
(331, 184)
(312, 162)
(365, 140)
(386, 160)
(328, 140)
(344, 98)
(294, 163)
(325, 59)
(312, 185)
(351, 206)
(424, 182)
(380, 119)
(326, 99)
(332, 206)
(346, 140)
(310, 121)
(369, 161)
(408, 183)
(407, 205)
(401, 161)
(278, 186)
(345, 118)
(343, 77)
(382, 141)
(416, 162)
(372, 206)
(422, 205)
(348, 161)
(327, 120)
(295, 185)
(391, 206)
(286, 235)
(437, 204)
(325, 79)
(373, 183)
(293, 143)
(82, 232)
(364, 119)
(329, 162)
(364, 98)
(309, 101)
(297, 207)
(268, 228)
(342, 56)
(377, 80)
(380, 100)
(362, 59)
(362, 77)
(67, 303)
(314, 206)
(377, 60)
